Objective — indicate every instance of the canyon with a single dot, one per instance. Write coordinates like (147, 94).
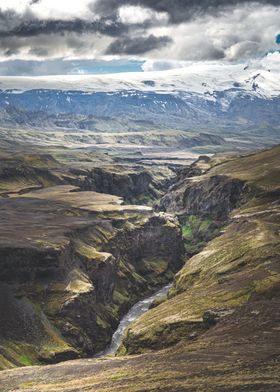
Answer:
(75, 259)
(139, 196)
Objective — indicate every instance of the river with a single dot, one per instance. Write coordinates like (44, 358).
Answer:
(136, 311)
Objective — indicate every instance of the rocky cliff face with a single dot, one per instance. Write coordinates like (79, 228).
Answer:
(203, 199)
(135, 187)
(238, 267)
(213, 196)
(219, 328)
(71, 264)
(22, 173)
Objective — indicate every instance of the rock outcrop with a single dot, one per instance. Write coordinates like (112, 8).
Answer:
(218, 330)
(239, 267)
(20, 174)
(134, 186)
(212, 196)
(71, 264)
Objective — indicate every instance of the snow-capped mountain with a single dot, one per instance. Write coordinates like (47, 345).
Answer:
(210, 96)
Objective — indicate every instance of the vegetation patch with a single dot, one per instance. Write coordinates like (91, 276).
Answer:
(26, 384)
(196, 232)
(25, 360)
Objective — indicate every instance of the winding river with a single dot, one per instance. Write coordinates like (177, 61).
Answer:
(136, 311)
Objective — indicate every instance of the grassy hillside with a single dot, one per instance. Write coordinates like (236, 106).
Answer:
(240, 265)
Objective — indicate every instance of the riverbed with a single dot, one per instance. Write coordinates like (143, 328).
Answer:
(134, 313)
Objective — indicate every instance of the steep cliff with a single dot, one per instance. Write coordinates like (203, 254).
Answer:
(211, 194)
(240, 266)
(136, 186)
(71, 264)
(219, 329)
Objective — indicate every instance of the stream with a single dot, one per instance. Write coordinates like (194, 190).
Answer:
(136, 311)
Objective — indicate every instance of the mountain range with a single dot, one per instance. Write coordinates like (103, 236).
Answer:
(218, 98)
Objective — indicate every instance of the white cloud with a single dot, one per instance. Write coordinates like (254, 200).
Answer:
(162, 65)
(269, 60)
(61, 9)
(45, 9)
(18, 5)
(47, 47)
(135, 14)
(233, 34)
(241, 49)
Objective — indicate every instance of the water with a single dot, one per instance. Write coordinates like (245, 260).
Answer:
(136, 311)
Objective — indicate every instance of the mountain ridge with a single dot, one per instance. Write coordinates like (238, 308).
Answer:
(232, 97)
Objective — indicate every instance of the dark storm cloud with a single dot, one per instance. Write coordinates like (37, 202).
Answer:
(39, 52)
(110, 27)
(137, 45)
(180, 29)
(16, 29)
(178, 10)
(9, 19)
(27, 25)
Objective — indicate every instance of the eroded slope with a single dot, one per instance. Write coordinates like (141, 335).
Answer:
(222, 321)
(239, 266)
(71, 264)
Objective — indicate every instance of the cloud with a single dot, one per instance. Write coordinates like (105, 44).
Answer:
(241, 49)
(130, 14)
(137, 45)
(48, 9)
(178, 10)
(163, 65)
(240, 33)
(148, 30)
(111, 27)
(270, 60)
(65, 67)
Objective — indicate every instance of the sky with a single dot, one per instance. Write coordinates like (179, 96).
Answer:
(56, 37)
